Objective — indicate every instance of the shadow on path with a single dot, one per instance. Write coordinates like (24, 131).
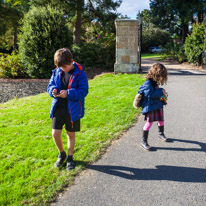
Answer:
(178, 72)
(201, 144)
(161, 172)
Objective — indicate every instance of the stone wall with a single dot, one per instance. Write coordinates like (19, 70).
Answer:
(126, 46)
(18, 88)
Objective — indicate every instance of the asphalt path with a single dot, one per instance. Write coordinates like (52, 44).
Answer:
(172, 174)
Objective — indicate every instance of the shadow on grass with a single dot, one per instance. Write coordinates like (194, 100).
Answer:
(161, 172)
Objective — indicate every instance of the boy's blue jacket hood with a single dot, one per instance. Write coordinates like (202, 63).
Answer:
(151, 97)
(76, 92)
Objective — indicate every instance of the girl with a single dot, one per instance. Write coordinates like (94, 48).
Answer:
(152, 105)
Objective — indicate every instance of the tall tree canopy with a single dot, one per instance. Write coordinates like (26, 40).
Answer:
(11, 11)
(81, 11)
(176, 16)
(77, 12)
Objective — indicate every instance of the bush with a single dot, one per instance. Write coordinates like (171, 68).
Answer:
(175, 50)
(96, 52)
(10, 66)
(44, 31)
(195, 45)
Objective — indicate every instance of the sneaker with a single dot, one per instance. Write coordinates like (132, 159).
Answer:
(163, 138)
(60, 159)
(70, 165)
(145, 146)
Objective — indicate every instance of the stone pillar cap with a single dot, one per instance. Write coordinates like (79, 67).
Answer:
(127, 20)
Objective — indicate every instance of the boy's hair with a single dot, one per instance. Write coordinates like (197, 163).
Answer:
(158, 73)
(63, 57)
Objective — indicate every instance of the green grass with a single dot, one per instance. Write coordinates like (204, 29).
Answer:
(151, 55)
(28, 153)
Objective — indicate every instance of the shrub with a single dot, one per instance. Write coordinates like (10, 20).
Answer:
(195, 45)
(10, 66)
(96, 52)
(175, 50)
(44, 31)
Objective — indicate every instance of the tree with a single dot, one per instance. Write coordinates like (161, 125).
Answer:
(44, 31)
(176, 16)
(11, 11)
(80, 12)
(195, 44)
(146, 16)
(152, 35)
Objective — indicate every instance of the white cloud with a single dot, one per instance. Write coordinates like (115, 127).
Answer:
(131, 7)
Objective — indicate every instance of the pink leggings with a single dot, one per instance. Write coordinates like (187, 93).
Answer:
(148, 125)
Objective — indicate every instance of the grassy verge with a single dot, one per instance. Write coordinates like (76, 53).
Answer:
(28, 153)
(151, 55)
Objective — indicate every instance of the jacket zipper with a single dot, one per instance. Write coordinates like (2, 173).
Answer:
(69, 103)
(69, 87)
(80, 106)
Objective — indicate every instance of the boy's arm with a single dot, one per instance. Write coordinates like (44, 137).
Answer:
(81, 91)
(51, 85)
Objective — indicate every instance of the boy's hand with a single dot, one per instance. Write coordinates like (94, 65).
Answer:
(54, 93)
(63, 94)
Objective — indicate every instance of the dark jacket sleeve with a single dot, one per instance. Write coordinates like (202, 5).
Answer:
(76, 94)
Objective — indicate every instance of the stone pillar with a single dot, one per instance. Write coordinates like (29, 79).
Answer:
(126, 46)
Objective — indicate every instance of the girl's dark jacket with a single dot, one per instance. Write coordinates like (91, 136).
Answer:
(76, 92)
(151, 98)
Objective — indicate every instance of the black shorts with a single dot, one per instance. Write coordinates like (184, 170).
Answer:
(61, 117)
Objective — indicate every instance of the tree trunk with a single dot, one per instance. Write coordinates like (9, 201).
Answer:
(77, 28)
(184, 32)
(200, 16)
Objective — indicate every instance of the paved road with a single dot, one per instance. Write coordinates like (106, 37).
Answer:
(173, 174)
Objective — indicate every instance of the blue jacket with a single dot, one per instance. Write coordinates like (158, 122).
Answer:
(151, 98)
(76, 92)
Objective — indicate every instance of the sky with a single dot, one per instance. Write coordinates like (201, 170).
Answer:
(131, 7)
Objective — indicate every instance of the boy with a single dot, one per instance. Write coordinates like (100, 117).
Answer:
(68, 86)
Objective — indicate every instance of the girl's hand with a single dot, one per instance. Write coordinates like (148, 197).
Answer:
(164, 92)
(63, 94)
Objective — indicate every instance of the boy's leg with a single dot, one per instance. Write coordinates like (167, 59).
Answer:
(71, 128)
(56, 134)
(71, 144)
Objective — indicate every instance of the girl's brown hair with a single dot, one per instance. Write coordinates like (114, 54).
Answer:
(158, 73)
(63, 57)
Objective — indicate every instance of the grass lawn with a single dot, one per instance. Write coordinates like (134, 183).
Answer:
(28, 153)
(151, 55)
